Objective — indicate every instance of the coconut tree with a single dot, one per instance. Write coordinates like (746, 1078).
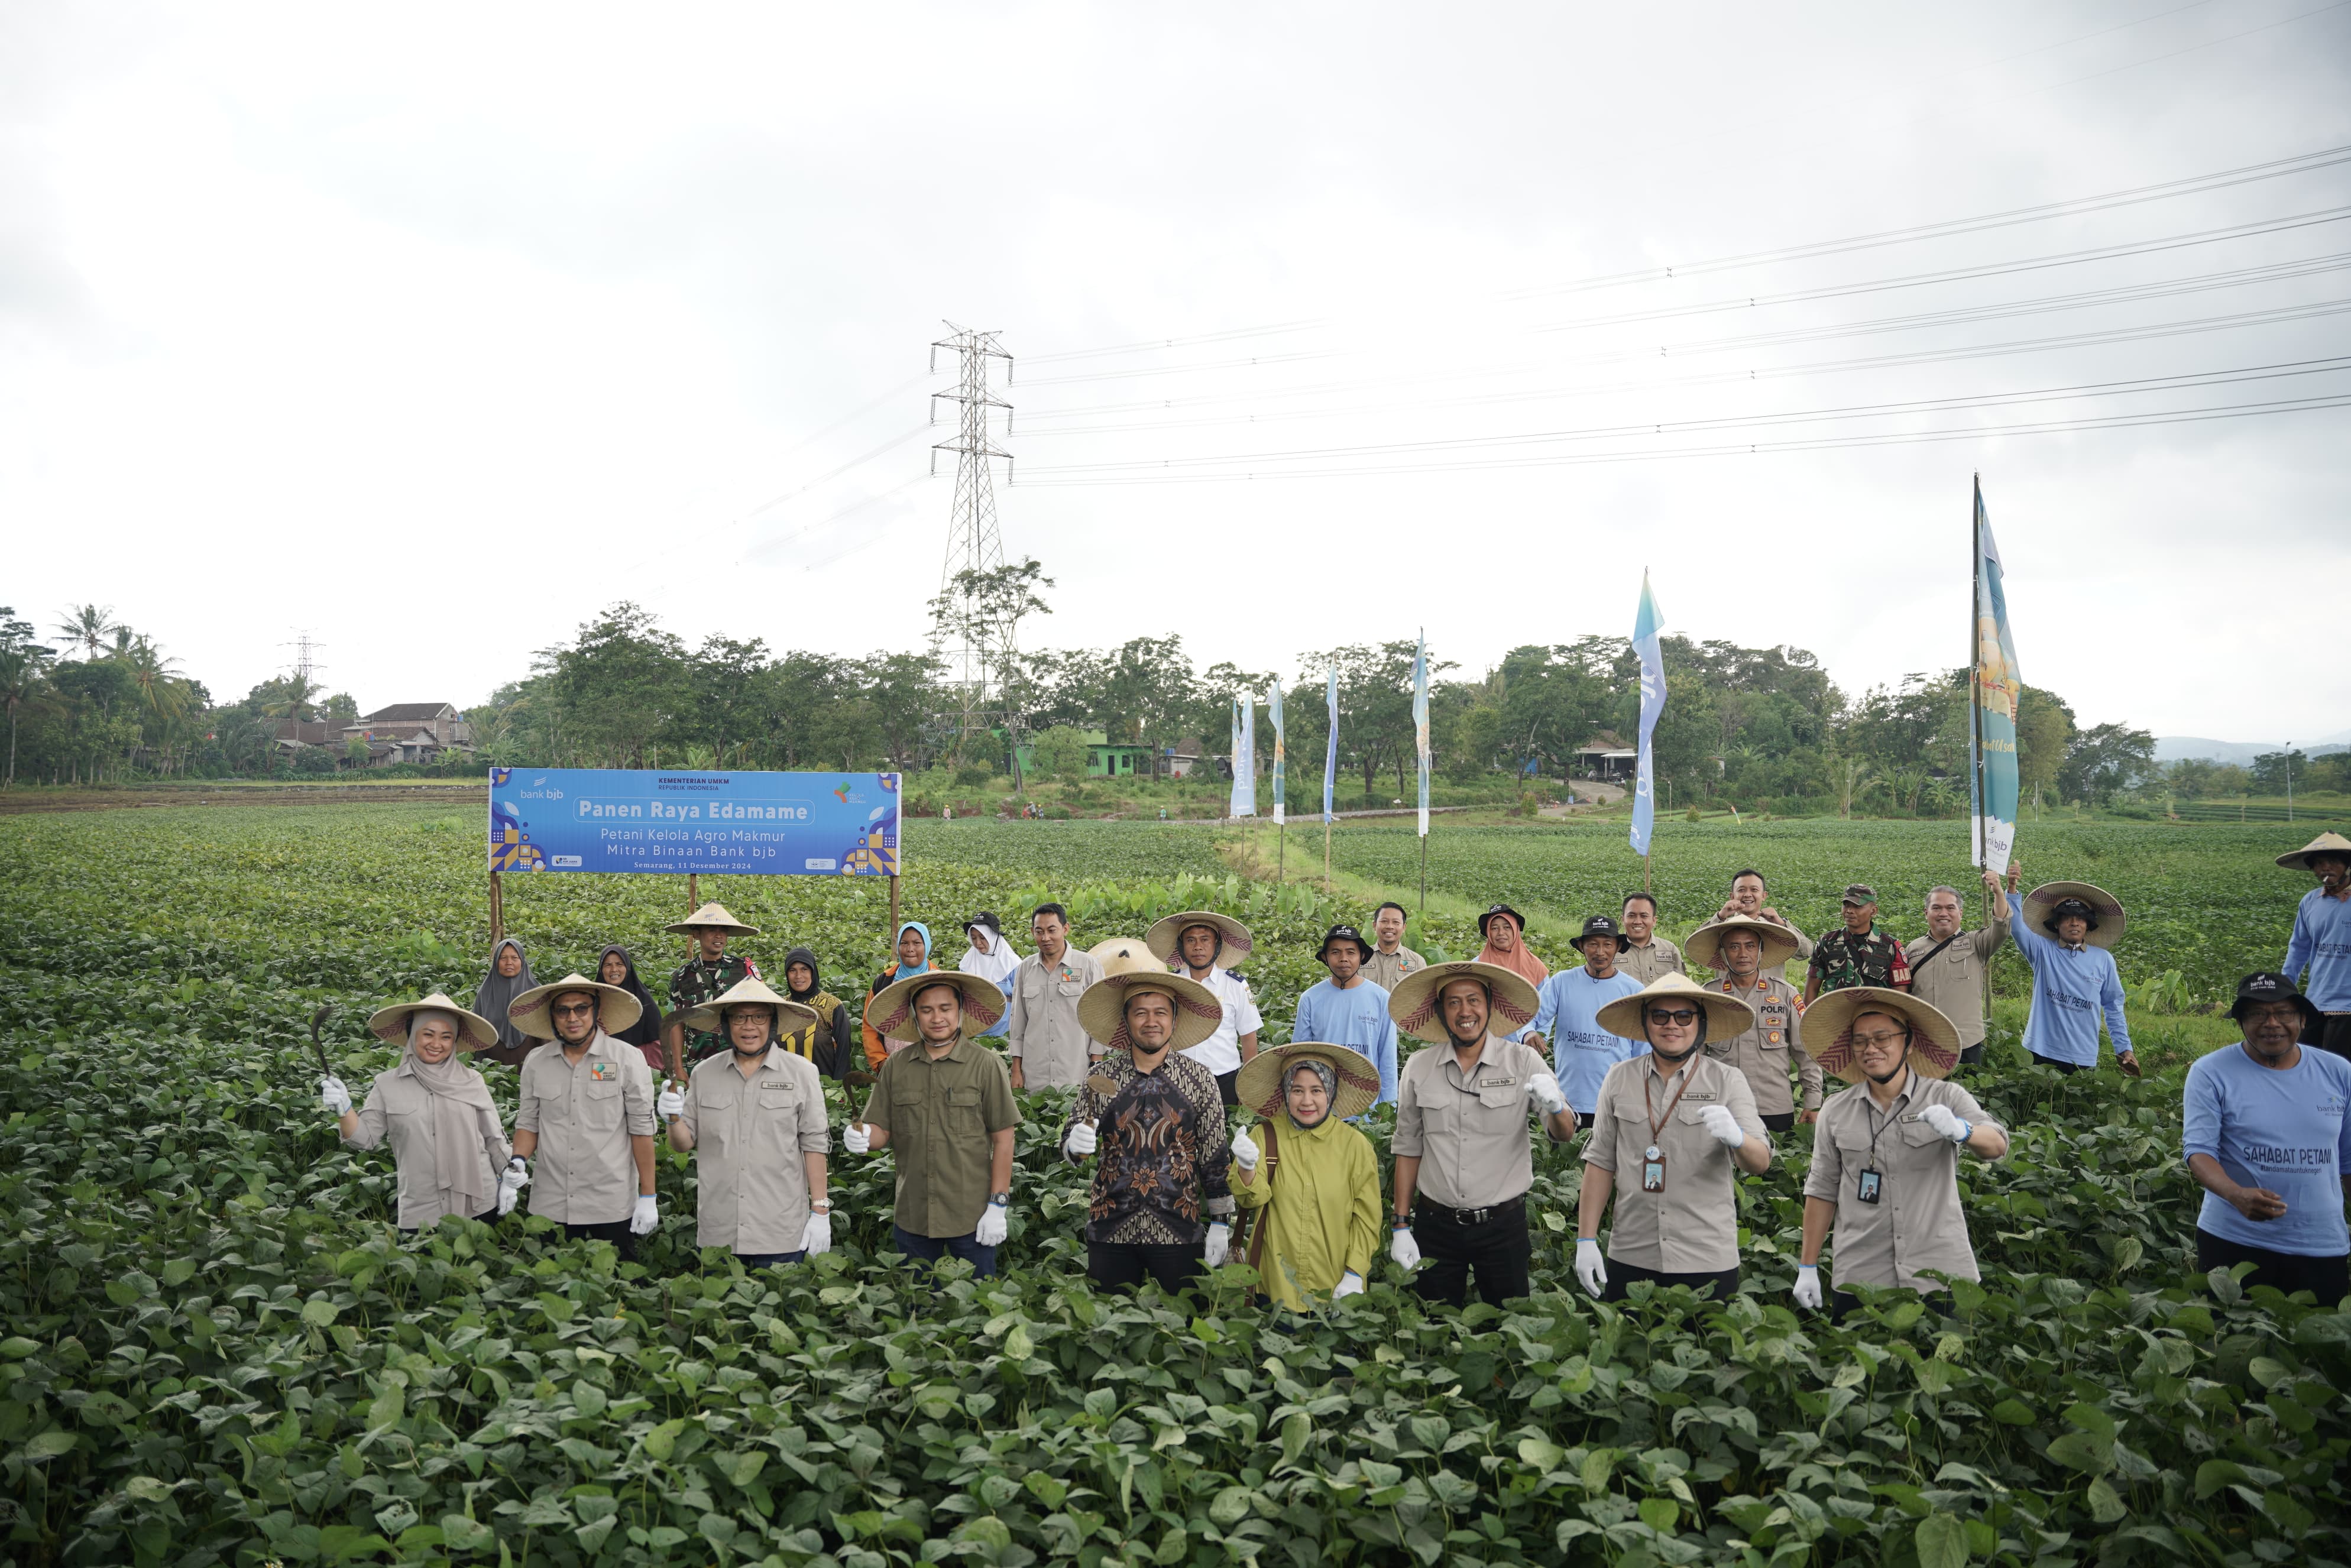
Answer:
(161, 691)
(89, 625)
(21, 663)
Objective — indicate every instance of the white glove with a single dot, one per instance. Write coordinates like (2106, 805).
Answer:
(1808, 1284)
(1350, 1284)
(1590, 1269)
(1403, 1248)
(511, 1181)
(856, 1139)
(337, 1099)
(1946, 1122)
(818, 1238)
(1083, 1140)
(1245, 1152)
(1544, 1091)
(1220, 1243)
(995, 1222)
(669, 1104)
(1722, 1124)
(645, 1215)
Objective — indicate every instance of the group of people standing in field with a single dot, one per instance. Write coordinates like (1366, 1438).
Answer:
(1675, 1086)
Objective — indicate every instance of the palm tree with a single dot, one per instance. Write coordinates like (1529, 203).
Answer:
(20, 668)
(296, 695)
(1851, 776)
(161, 690)
(89, 625)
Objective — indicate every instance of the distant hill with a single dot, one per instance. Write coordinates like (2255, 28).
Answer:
(2182, 747)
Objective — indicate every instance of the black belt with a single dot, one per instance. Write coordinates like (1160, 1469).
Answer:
(1474, 1215)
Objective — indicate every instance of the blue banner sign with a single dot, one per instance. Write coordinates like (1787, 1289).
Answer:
(731, 824)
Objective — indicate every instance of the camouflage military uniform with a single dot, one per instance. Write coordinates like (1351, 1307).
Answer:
(1843, 960)
(698, 981)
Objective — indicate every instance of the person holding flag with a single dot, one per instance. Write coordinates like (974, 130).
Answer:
(2074, 974)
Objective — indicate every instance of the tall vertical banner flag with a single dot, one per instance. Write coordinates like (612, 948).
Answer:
(1331, 746)
(1996, 686)
(1646, 626)
(1420, 723)
(1280, 758)
(1243, 802)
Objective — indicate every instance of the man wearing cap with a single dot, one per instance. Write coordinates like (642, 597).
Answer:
(1390, 960)
(1884, 1178)
(2074, 974)
(1860, 954)
(585, 1116)
(2321, 940)
(1314, 1182)
(711, 973)
(988, 953)
(1206, 948)
(756, 1116)
(1678, 1125)
(1742, 950)
(1947, 964)
(1160, 1204)
(1568, 1012)
(1749, 896)
(1463, 1159)
(2268, 1137)
(946, 1105)
(1647, 954)
(1348, 1010)
(1043, 1041)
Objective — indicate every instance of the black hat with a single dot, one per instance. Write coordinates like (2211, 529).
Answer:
(2065, 906)
(1599, 925)
(2268, 986)
(1343, 934)
(985, 918)
(1487, 918)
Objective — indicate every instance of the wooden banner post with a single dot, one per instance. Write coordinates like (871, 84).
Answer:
(497, 911)
(693, 892)
(893, 910)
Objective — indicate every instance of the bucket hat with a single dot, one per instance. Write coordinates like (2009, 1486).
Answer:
(891, 1013)
(1262, 1085)
(1934, 1039)
(2269, 986)
(474, 1032)
(1493, 909)
(1727, 1017)
(2107, 917)
(1703, 946)
(1166, 934)
(1599, 925)
(1413, 1004)
(2324, 843)
(1343, 934)
(711, 1016)
(616, 1010)
(712, 914)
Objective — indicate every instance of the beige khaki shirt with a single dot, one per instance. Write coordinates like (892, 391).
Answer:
(751, 1184)
(1765, 1052)
(942, 1117)
(1953, 983)
(584, 1172)
(1645, 964)
(1384, 969)
(1041, 1031)
(1469, 1130)
(402, 1109)
(1916, 1224)
(1692, 1227)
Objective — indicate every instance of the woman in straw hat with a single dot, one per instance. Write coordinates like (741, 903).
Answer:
(2064, 929)
(1885, 1179)
(2321, 940)
(1206, 948)
(446, 1141)
(755, 1117)
(711, 973)
(1678, 1125)
(1315, 1183)
(1160, 1204)
(586, 1115)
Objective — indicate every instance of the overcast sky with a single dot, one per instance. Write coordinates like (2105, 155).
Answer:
(435, 330)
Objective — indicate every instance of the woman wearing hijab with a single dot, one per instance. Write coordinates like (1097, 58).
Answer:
(615, 968)
(1505, 930)
(991, 956)
(1314, 1185)
(913, 958)
(509, 977)
(824, 1044)
(446, 1140)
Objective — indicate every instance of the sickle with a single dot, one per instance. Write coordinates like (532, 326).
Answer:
(316, 1020)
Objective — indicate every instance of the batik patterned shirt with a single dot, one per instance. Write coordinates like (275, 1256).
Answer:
(1163, 1156)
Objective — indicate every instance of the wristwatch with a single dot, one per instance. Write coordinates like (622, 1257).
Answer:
(1400, 1222)
(1001, 1200)
(820, 1205)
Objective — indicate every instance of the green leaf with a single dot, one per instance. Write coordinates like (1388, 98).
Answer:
(318, 1311)
(2286, 1513)
(49, 1445)
(1228, 1508)
(661, 1441)
(1540, 1453)
(462, 1534)
(2267, 1372)
(2081, 1451)
(2013, 1413)
(1942, 1542)
(1660, 1514)
(2106, 1503)
(146, 1488)
(16, 1347)
(587, 1399)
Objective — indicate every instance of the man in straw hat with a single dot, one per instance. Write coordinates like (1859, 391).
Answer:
(1857, 953)
(1315, 1183)
(1161, 1204)
(447, 1142)
(587, 1112)
(1046, 1047)
(1885, 1179)
(1348, 1010)
(1647, 954)
(755, 1118)
(711, 973)
(1750, 896)
(2267, 1130)
(1947, 964)
(2321, 940)
(2064, 929)
(1679, 1124)
(1206, 947)
(1463, 1159)
(1742, 950)
(1567, 1015)
(945, 1105)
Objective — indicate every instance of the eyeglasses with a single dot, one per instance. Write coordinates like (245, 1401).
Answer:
(574, 1009)
(1869, 1041)
(1680, 1016)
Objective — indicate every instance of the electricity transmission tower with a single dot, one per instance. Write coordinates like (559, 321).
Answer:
(977, 645)
(305, 655)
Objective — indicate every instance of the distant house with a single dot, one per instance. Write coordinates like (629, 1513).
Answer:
(1605, 757)
(1178, 760)
(293, 735)
(1105, 758)
(411, 732)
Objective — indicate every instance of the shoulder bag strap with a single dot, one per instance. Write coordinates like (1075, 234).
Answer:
(1256, 1250)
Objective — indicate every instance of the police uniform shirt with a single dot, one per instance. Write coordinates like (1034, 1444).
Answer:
(1764, 1054)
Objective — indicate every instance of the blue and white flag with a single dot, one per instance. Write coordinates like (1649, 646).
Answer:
(1646, 625)
(1996, 687)
(1420, 723)
(1280, 758)
(1243, 802)
(1331, 746)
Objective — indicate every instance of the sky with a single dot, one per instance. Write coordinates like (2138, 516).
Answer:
(431, 331)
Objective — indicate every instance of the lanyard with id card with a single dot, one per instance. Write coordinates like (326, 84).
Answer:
(1653, 1158)
(1869, 1182)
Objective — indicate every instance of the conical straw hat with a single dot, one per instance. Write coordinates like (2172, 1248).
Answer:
(474, 1032)
(1102, 1009)
(2324, 843)
(1934, 1039)
(712, 914)
(1233, 939)
(891, 1013)
(616, 1010)
(1261, 1085)
(1727, 1017)
(1703, 946)
(710, 1016)
(1511, 1000)
(2104, 931)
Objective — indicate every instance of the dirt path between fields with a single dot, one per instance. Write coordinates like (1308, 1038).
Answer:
(15, 802)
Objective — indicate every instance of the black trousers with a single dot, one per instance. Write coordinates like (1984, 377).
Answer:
(615, 1231)
(2328, 1278)
(1124, 1265)
(1496, 1248)
(1780, 1122)
(1972, 1055)
(1227, 1085)
(2068, 1067)
(1623, 1277)
(2330, 1032)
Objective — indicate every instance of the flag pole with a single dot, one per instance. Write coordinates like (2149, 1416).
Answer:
(1975, 707)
